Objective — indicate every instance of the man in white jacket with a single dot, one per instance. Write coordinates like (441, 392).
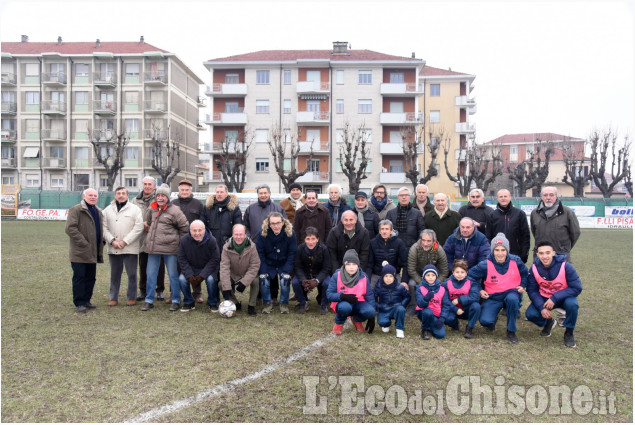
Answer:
(123, 227)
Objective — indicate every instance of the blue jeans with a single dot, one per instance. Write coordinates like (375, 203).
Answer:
(360, 311)
(187, 292)
(471, 313)
(398, 313)
(154, 260)
(492, 306)
(428, 320)
(299, 291)
(569, 304)
(285, 288)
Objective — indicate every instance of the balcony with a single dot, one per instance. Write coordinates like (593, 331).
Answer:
(152, 78)
(396, 148)
(9, 79)
(148, 134)
(314, 177)
(226, 118)
(105, 107)
(400, 89)
(53, 107)
(49, 135)
(54, 79)
(54, 162)
(8, 163)
(155, 106)
(466, 102)
(217, 147)
(103, 136)
(400, 118)
(392, 177)
(105, 80)
(318, 147)
(200, 101)
(8, 136)
(9, 108)
(313, 118)
(463, 128)
(226, 90)
(312, 87)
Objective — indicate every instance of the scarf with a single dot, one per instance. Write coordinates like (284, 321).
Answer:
(336, 211)
(349, 280)
(297, 203)
(264, 204)
(550, 211)
(379, 205)
(360, 215)
(349, 234)
(95, 214)
(402, 218)
(422, 206)
(239, 248)
(120, 206)
(506, 209)
(441, 214)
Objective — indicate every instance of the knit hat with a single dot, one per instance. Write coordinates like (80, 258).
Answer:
(388, 269)
(164, 189)
(430, 269)
(499, 240)
(351, 257)
(295, 186)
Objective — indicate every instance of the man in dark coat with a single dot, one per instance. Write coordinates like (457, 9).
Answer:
(421, 201)
(221, 212)
(256, 213)
(191, 207)
(512, 222)
(312, 214)
(366, 216)
(442, 219)
(407, 220)
(348, 234)
(478, 211)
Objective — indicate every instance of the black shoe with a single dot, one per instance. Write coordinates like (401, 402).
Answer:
(511, 336)
(175, 306)
(80, 309)
(147, 306)
(425, 334)
(160, 296)
(251, 311)
(468, 332)
(239, 306)
(141, 297)
(546, 331)
(90, 306)
(569, 340)
(301, 308)
(323, 310)
(456, 329)
(188, 307)
(490, 328)
(213, 308)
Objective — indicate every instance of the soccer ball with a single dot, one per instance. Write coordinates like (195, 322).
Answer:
(227, 309)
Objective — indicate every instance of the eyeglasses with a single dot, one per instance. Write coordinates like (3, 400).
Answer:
(380, 193)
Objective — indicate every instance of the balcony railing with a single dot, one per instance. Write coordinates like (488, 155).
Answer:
(104, 136)
(401, 89)
(396, 148)
(314, 177)
(226, 90)
(200, 101)
(54, 135)
(105, 79)
(10, 136)
(150, 77)
(464, 127)
(392, 177)
(399, 118)
(227, 118)
(54, 162)
(149, 133)
(466, 102)
(9, 108)
(53, 107)
(318, 146)
(105, 107)
(312, 87)
(158, 106)
(9, 79)
(54, 78)
(313, 117)
(8, 162)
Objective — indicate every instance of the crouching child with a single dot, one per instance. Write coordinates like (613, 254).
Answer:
(392, 300)
(464, 298)
(433, 304)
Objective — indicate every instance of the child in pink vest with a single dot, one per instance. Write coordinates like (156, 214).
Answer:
(433, 304)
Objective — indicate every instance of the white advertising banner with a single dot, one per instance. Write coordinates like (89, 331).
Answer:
(606, 222)
(41, 214)
(620, 212)
(579, 210)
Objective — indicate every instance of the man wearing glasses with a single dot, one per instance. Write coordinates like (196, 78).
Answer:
(379, 202)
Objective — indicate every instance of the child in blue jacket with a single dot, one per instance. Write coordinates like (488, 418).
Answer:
(392, 300)
(464, 296)
(433, 304)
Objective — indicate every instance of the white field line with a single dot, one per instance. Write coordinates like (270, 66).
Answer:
(229, 386)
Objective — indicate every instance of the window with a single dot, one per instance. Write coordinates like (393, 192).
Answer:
(32, 98)
(231, 79)
(435, 90)
(365, 106)
(286, 108)
(132, 126)
(81, 98)
(435, 116)
(366, 134)
(81, 127)
(132, 70)
(313, 165)
(32, 126)
(365, 77)
(106, 152)
(396, 107)
(8, 152)
(132, 153)
(8, 124)
(262, 135)
(513, 153)
(262, 106)
(103, 180)
(231, 107)
(8, 180)
(262, 77)
(339, 106)
(57, 152)
(32, 180)
(396, 166)
(395, 136)
(81, 70)
(262, 165)
(81, 181)
(131, 181)
(339, 76)
(339, 135)
(313, 135)
(396, 77)
(286, 76)
(81, 157)
(31, 69)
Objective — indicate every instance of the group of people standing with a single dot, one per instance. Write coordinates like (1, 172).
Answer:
(372, 261)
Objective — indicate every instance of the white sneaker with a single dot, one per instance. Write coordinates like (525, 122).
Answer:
(400, 333)
(385, 330)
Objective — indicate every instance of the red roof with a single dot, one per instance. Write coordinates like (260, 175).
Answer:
(79, 48)
(430, 71)
(294, 55)
(531, 137)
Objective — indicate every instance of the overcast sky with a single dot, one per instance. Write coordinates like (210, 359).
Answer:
(558, 66)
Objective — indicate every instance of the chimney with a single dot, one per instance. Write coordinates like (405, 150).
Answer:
(340, 47)
(25, 38)
(59, 39)
(413, 55)
(97, 43)
(141, 40)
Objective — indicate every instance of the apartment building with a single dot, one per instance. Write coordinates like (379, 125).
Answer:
(313, 93)
(58, 96)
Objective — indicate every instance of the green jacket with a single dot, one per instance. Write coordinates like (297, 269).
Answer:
(418, 258)
(80, 228)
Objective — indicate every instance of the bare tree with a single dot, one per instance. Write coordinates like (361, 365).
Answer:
(533, 171)
(628, 181)
(476, 164)
(605, 147)
(232, 161)
(576, 173)
(109, 148)
(285, 145)
(166, 154)
(353, 145)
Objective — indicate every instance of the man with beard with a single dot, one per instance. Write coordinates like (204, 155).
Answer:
(379, 202)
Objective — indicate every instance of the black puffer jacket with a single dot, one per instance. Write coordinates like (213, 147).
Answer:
(220, 217)
(338, 243)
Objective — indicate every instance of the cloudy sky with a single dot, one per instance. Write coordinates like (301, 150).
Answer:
(558, 66)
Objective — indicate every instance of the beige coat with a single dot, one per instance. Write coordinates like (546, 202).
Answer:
(165, 229)
(239, 267)
(125, 224)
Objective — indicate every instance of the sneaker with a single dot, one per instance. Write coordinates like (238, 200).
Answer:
(425, 334)
(284, 309)
(80, 309)
(251, 311)
(385, 330)
(213, 308)
(188, 307)
(511, 336)
(175, 306)
(323, 310)
(300, 308)
(267, 309)
(569, 340)
(90, 306)
(490, 328)
(400, 333)
(112, 303)
(141, 297)
(147, 306)
(546, 331)
(561, 314)
(131, 302)
(160, 296)
(359, 326)
(239, 306)
(337, 329)
(468, 332)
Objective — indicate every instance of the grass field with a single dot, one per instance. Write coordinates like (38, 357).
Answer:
(116, 363)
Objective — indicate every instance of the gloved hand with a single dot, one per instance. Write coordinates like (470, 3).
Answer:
(349, 298)
(199, 279)
(227, 294)
(309, 284)
(240, 287)
(370, 325)
(428, 296)
(264, 276)
(264, 279)
(438, 324)
(285, 276)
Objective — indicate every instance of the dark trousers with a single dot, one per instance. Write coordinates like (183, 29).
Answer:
(83, 282)
(143, 277)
